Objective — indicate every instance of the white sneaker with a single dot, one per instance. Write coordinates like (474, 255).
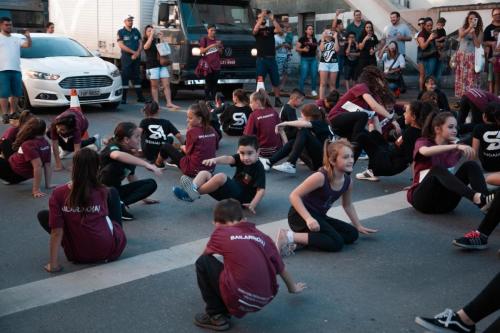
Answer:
(285, 167)
(367, 175)
(265, 163)
(285, 248)
(314, 93)
(92, 147)
(363, 156)
(188, 186)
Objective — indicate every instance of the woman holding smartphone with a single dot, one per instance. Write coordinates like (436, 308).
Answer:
(470, 36)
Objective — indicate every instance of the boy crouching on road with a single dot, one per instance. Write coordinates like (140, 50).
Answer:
(246, 281)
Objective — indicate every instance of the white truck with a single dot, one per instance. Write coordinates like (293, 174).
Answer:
(95, 23)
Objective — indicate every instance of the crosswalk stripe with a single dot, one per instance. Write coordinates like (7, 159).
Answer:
(85, 281)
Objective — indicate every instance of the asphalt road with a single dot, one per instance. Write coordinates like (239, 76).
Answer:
(379, 284)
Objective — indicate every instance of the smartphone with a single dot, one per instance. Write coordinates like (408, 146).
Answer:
(475, 21)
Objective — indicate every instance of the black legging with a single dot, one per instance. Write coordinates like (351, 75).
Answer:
(440, 191)
(332, 234)
(136, 191)
(383, 161)
(211, 85)
(208, 270)
(492, 218)
(467, 106)
(7, 174)
(304, 141)
(70, 146)
(114, 210)
(167, 150)
(349, 124)
(487, 302)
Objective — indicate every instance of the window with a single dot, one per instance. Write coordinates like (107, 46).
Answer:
(304, 20)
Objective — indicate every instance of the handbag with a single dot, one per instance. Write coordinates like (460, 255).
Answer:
(453, 61)
(479, 59)
(203, 68)
(393, 77)
(429, 52)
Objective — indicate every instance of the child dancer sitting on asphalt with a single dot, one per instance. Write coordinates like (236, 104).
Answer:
(84, 216)
(329, 101)
(16, 121)
(156, 131)
(388, 160)
(436, 189)
(234, 117)
(247, 185)
(246, 281)
(262, 122)
(118, 161)
(66, 133)
(312, 199)
(31, 158)
(312, 133)
(201, 143)
(485, 138)
(289, 112)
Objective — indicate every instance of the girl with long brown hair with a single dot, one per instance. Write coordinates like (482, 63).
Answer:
(84, 216)
(31, 158)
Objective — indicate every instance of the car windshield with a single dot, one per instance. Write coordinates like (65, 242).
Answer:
(43, 47)
(227, 18)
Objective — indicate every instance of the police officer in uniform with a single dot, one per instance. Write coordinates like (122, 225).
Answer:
(130, 42)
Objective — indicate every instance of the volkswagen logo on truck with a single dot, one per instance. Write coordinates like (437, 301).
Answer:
(228, 51)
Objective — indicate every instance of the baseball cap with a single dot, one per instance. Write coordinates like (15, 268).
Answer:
(420, 21)
(128, 17)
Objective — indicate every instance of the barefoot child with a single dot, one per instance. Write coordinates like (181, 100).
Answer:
(312, 199)
(247, 185)
(246, 281)
(31, 158)
(84, 216)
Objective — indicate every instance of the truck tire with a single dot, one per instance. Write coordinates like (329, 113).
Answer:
(110, 106)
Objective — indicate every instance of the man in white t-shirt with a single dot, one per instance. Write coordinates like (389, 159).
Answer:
(11, 86)
(398, 32)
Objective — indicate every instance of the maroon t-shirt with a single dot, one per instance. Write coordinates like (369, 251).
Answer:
(262, 123)
(81, 125)
(20, 161)
(212, 55)
(251, 262)
(481, 98)
(353, 95)
(87, 234)
(10, 134)
(421, 162)
(200, 145)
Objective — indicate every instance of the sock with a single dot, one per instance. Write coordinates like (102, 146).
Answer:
(289, 235)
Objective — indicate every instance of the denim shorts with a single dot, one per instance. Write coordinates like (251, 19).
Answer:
(157, 73)
(11, 84)
(268, 65)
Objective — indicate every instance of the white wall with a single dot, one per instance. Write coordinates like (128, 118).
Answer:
(426, 4)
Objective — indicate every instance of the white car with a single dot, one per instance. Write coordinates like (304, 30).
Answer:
(55, 64)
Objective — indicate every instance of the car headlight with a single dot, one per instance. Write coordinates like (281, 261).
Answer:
(115, 73)
(254, 52)
(195, 51)
(42, 76)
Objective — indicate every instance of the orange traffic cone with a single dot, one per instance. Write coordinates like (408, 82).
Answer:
(260, 83)
(74, 101)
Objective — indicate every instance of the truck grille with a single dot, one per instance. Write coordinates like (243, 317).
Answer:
(242, 56)
(82, 82)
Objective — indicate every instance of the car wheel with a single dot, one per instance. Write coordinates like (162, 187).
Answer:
(23, 102)
(110, 106)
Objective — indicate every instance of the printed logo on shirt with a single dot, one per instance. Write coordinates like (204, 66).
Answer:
(206, 136)
(156, 132)
(329, 52)
(89, 209)
(493, 138)
(240, 118)
(248, 237)
(264, 117)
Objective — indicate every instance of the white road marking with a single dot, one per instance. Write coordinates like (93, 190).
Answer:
(85, 281)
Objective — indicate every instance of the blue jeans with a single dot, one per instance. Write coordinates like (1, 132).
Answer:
(341, 59)
(433, 67)
(308, 64)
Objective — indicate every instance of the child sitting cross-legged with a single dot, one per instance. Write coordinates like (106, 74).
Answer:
(247, 185)
(246, 281)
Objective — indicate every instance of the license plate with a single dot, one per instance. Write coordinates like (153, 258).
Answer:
(89, 92)
(228, 61)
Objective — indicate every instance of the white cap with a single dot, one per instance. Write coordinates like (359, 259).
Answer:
(128, 17)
